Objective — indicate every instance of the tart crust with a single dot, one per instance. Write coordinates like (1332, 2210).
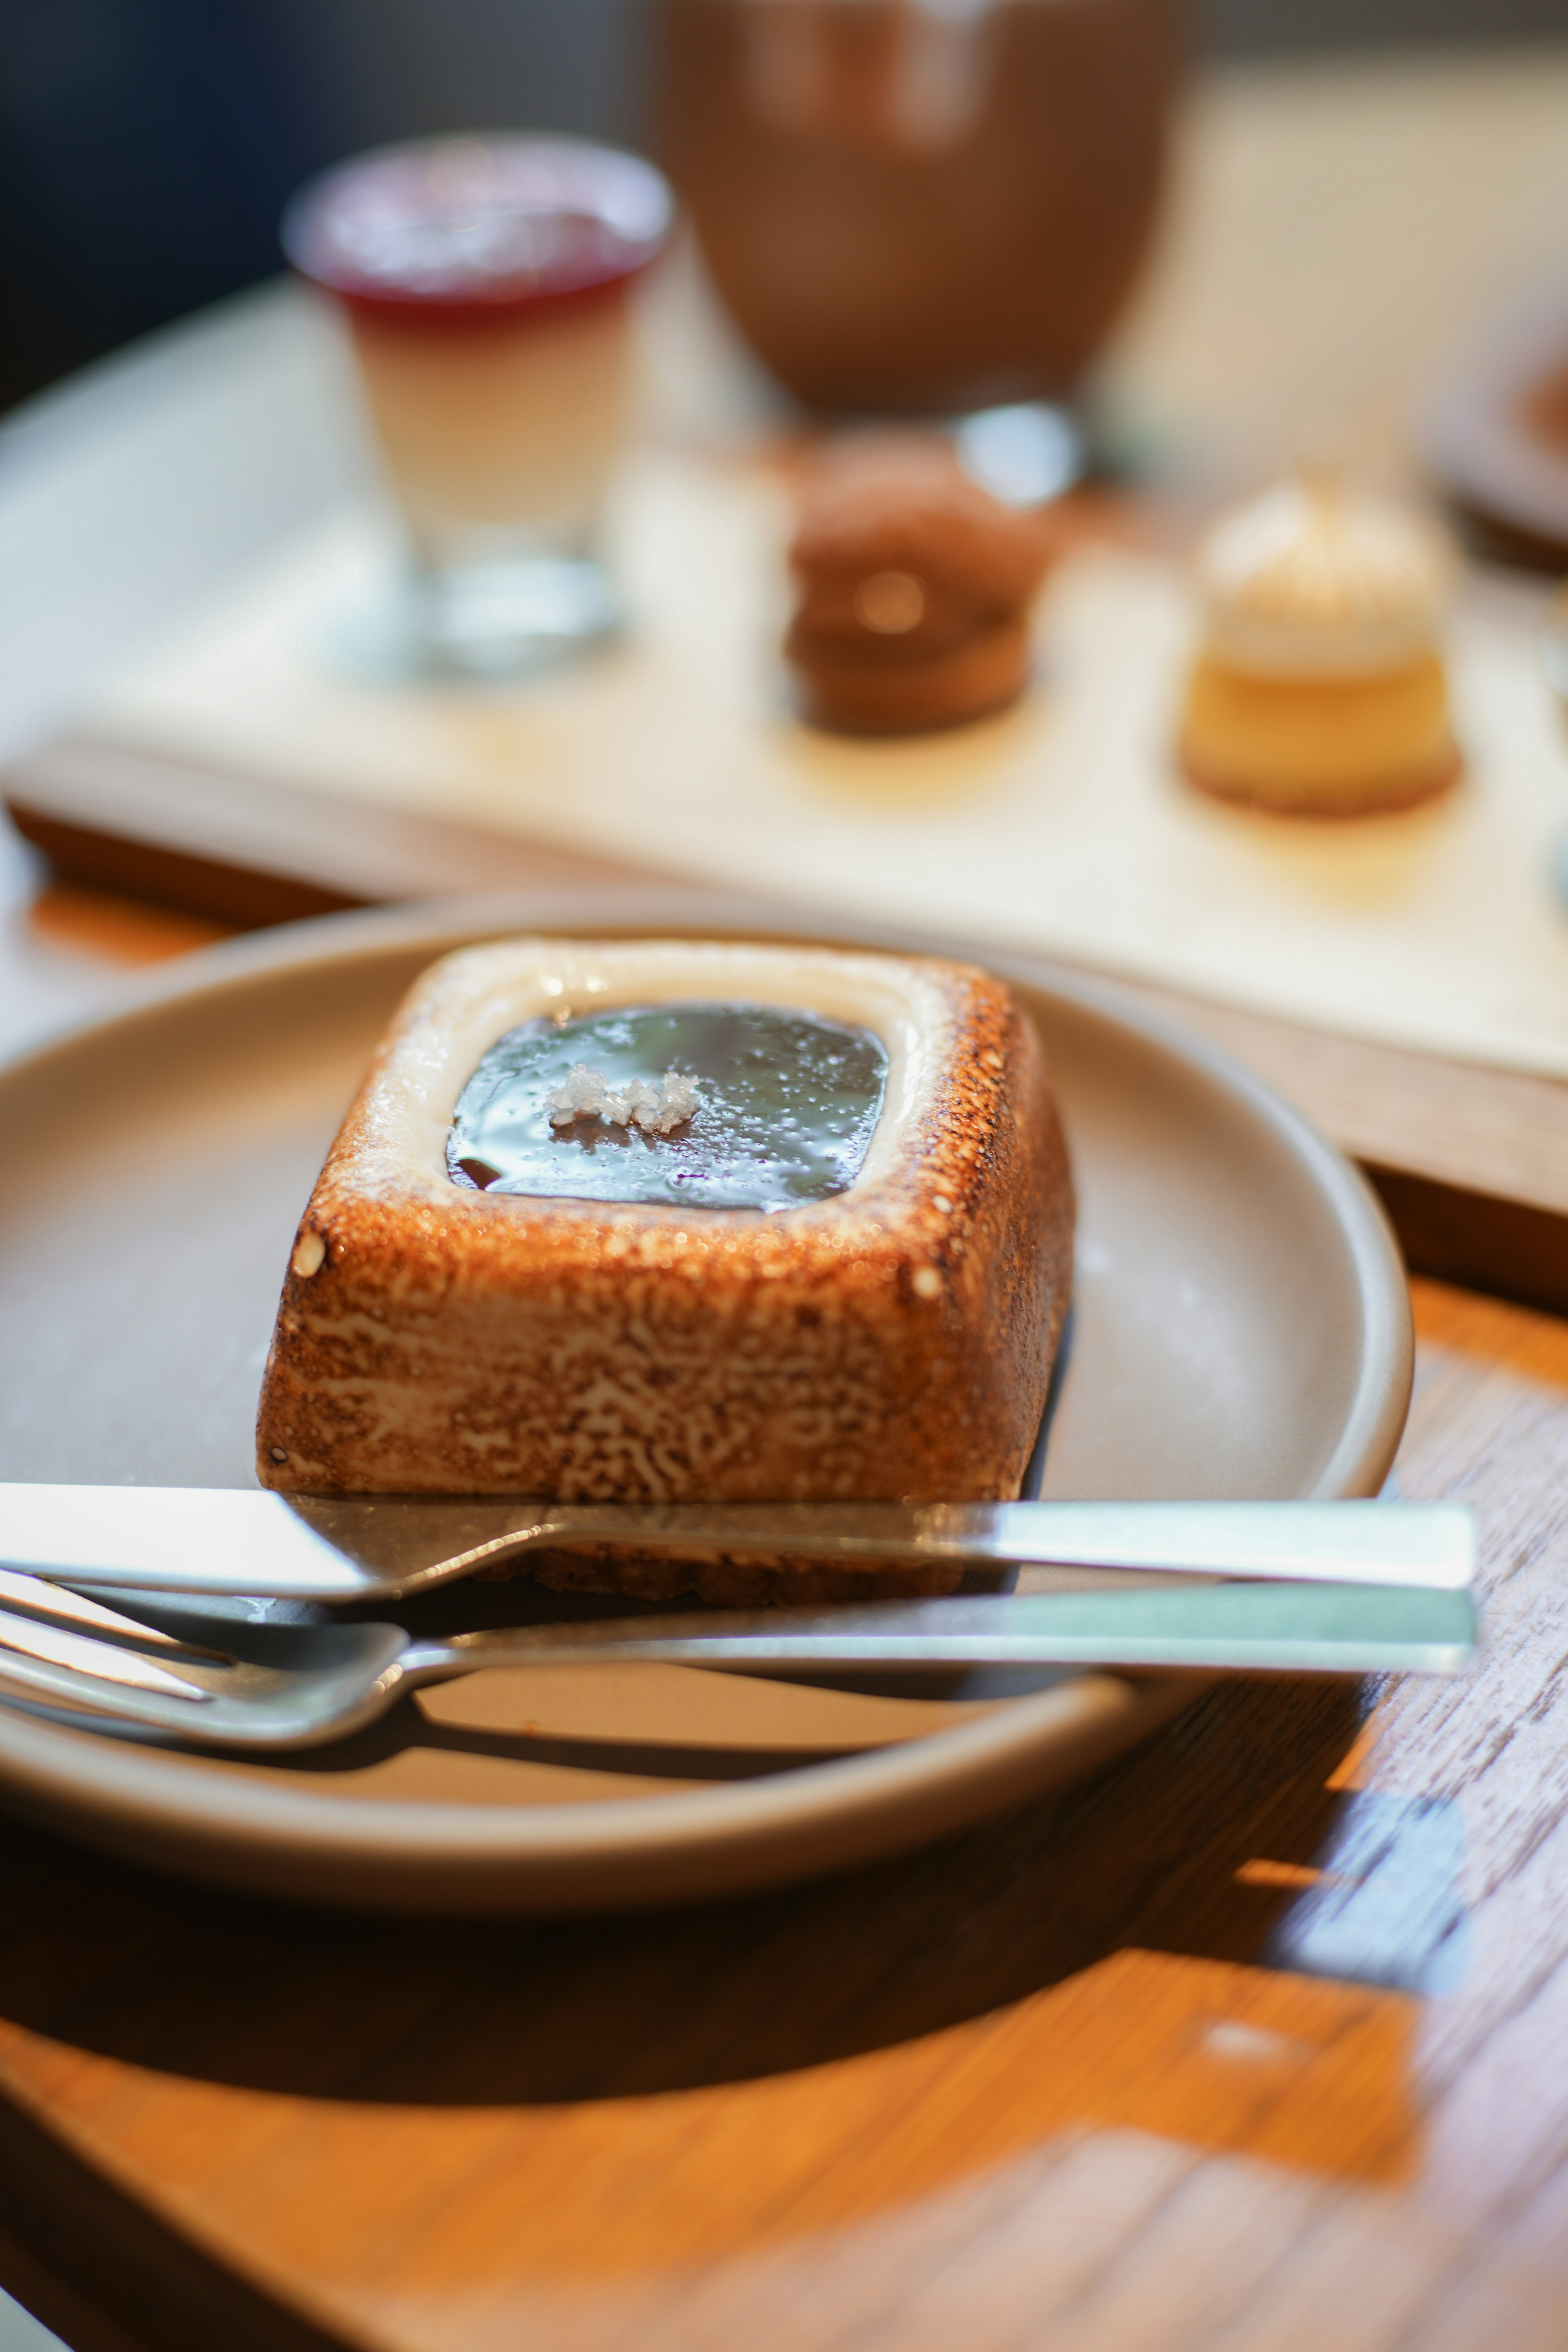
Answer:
(1319, 746)
(892, 1341)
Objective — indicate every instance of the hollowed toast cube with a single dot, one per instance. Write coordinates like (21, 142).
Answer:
(890, 1339)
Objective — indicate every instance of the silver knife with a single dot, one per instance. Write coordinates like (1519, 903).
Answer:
(213, 1541)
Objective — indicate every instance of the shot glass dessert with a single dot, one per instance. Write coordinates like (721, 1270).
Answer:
(484, 282)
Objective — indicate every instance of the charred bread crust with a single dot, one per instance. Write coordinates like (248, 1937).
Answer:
(893, 1341)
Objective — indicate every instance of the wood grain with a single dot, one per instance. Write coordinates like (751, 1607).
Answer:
(248, 854)
(1249, 2040)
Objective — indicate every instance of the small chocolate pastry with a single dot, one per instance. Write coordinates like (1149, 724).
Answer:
(914, 588)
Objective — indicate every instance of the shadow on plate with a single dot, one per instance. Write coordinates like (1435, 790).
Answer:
(1159, 1850)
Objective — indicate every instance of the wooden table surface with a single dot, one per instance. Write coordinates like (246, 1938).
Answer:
(1253, 2040)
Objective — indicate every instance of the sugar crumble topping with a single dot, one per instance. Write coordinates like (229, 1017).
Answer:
(588, 1094)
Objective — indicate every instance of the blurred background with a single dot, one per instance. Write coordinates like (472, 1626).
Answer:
(147, 146)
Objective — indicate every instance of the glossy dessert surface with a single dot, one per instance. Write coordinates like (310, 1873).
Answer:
(785, 1106)
(450, 231)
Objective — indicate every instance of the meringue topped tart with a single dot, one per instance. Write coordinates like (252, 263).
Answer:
(1318, 685)
(684, 1220)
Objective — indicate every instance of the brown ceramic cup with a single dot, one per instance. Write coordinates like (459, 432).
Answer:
(921, 205)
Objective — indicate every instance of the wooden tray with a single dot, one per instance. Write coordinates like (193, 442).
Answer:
(1471, 1163)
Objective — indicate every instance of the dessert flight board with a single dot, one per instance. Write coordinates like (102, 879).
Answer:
(275, 761)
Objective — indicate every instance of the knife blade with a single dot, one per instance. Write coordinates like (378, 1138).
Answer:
(216, 1541)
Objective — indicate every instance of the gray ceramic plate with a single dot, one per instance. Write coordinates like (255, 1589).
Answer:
(1241, 1328)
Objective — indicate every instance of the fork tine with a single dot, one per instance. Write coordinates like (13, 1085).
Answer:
(102, 1661)
(37, 1597)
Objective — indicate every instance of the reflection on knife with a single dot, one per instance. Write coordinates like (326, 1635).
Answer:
(362, 1548)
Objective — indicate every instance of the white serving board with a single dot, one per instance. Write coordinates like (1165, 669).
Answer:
(1060, 827)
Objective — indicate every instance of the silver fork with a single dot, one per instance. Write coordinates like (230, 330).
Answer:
(282, 1686)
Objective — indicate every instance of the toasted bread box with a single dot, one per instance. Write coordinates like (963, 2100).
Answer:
(842, 1272)
(914, 588)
